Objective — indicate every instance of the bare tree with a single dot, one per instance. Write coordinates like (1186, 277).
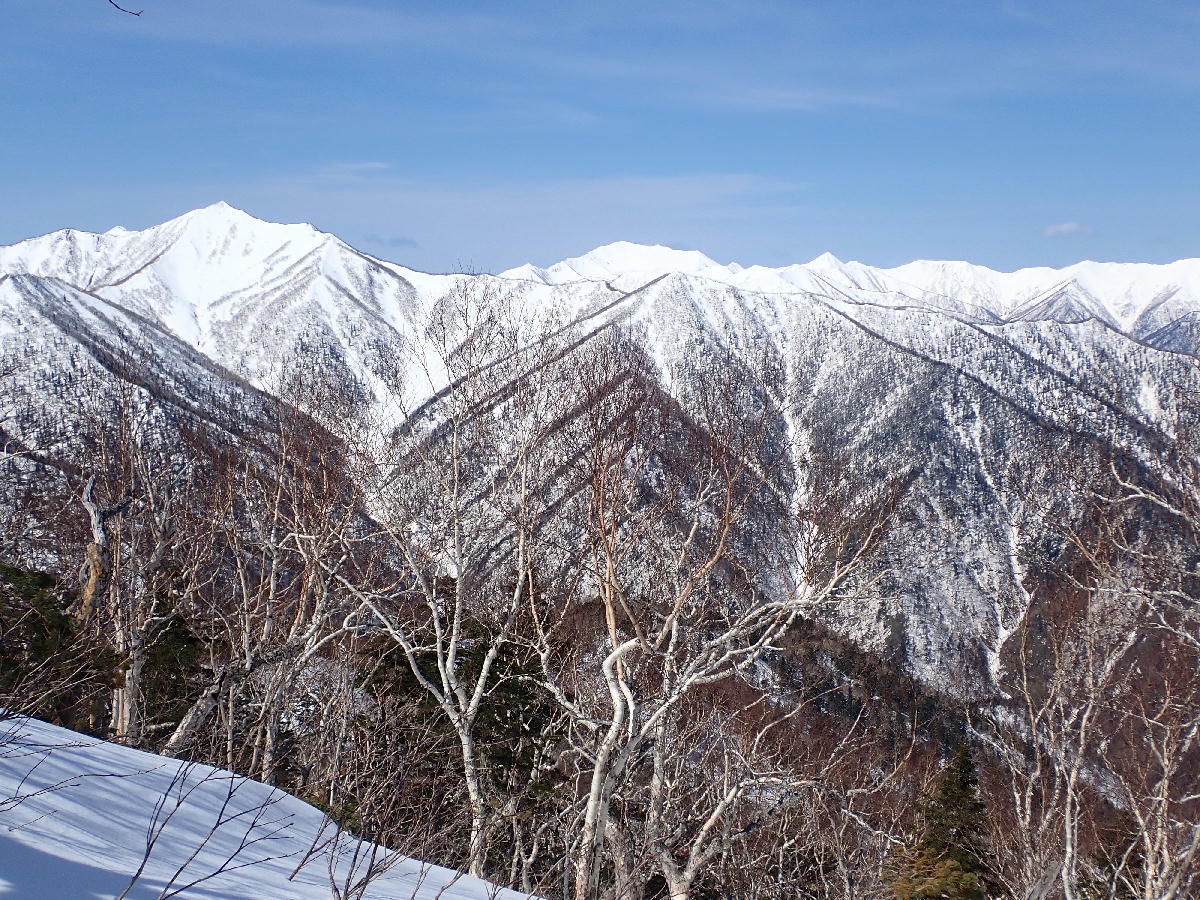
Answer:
(671, 602)
(1102, 718)
(255, 825)
(458, 490)
(272, 605)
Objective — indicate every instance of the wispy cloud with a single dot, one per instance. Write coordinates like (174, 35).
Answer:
(1020, 12)
(1065, 229)
(776, 57)
(771, 98)
(329, 23)
(359, 166)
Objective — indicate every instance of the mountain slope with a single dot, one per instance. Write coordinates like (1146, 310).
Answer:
(967, 389)
(66, 351)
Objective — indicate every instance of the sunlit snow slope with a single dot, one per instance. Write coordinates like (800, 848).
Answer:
(1135, 298)
(76, 815)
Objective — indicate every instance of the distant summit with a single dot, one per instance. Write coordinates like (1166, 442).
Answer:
(1138, 299)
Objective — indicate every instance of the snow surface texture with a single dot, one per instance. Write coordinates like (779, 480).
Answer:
(76, 814)
(954, 381)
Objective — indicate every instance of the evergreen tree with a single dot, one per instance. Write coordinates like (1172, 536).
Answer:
(949, 861)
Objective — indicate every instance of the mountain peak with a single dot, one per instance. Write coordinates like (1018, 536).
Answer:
(220, 212)
(622, 260)
(825, 261)
(215, 230)
(625, 256)
(221, 218)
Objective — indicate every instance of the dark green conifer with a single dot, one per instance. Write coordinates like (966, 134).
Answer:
(949, 862)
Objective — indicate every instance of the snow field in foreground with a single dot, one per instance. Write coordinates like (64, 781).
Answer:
(78, 814)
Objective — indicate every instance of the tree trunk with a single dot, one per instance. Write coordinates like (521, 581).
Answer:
(195, 718)
(127, 699)
(97, 565)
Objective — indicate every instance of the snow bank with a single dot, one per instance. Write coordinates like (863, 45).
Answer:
(77, 816)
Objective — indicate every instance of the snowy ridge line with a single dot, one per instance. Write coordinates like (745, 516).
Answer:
(1153, 438)
(1120, 293)
(558, 355)
(1128, 296)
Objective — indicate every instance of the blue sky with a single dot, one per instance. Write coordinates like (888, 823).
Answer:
(483, 135)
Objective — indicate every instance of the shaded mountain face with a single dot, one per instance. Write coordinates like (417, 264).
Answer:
(965, 395)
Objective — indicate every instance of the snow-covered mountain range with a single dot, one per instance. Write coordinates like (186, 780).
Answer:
(1135, 298)
(965, 386)
(215, 274)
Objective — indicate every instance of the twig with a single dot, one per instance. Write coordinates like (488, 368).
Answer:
(124, 10)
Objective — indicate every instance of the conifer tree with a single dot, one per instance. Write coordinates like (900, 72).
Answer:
(949, 862)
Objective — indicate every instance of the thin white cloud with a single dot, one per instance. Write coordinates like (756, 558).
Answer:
(771, 98)
(778, 58)
(1019, 12)
(1065, 229)
(329, 23)
(360, 166)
